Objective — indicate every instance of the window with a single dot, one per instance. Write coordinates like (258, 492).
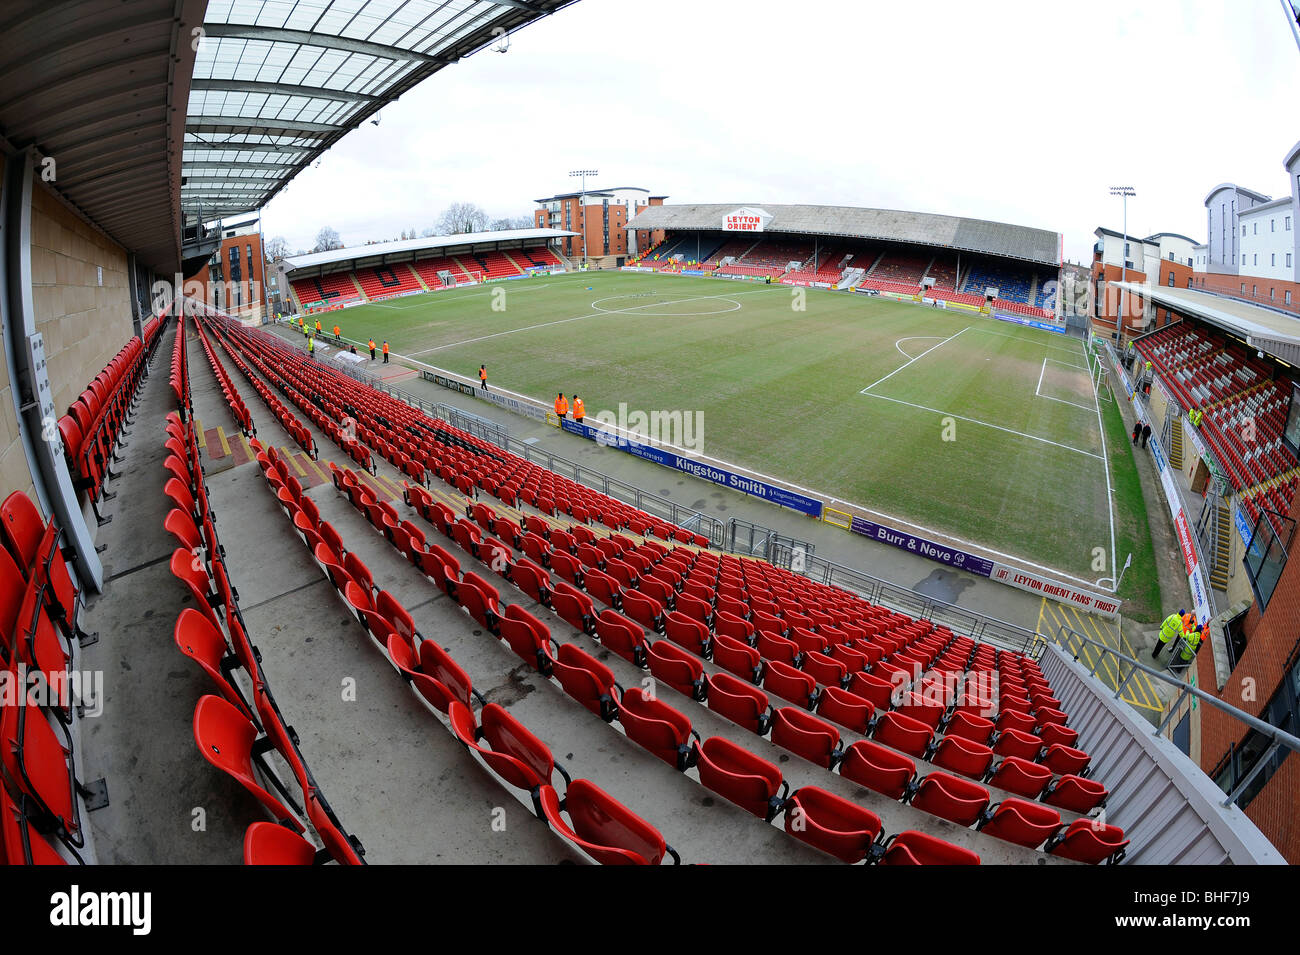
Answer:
(1272, 225)
(1243, 288)
(1256, 262)
(1126, 251)
(1266, 554)
(1288, 260)
(1271, 296)
(1254, 290)
(1243, 231)
(1288, 297)
(1171, 279)
(1272, 258)
(1254, 229)
(1283, 711)
(1288, 223)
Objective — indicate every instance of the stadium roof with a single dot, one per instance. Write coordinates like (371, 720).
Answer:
(1232, 185)
(1269, 330)
(314, 259)
(99, 87)
(923, 228)
(277, 82)
(608, 190)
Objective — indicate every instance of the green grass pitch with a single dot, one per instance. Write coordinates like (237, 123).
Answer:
(984, 430)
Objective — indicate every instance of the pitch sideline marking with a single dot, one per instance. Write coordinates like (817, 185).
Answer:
(905, 364)
(1110, 500)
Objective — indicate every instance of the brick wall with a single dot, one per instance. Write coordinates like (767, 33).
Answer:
(1271, 636)
(1257, 289)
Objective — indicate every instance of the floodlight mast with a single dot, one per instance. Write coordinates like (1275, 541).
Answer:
(1292, 13)
(582, 205)
(1124, 192)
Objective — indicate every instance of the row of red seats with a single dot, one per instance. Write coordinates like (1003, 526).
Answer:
(228, 390)
(95, 423)
(41, 799)
(385, 280)
(901, 268)
(396, 430)
(964, 747)
(598, 824)
(333, 289)
(236, 730)
(790, 727)
(825, 820)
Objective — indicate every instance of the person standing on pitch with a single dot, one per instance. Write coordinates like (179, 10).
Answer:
(579, 412)
(318, 326)
(482, 377)
(1146, 434)
(1170, 630)
(561, 406)
(385, 351)
(372, 349)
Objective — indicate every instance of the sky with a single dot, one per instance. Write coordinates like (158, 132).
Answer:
(1020, 112)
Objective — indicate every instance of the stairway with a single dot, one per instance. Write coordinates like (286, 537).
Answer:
(1176, 443)
(1220, 552)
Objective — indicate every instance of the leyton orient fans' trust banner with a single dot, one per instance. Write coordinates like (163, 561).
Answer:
(670, 459)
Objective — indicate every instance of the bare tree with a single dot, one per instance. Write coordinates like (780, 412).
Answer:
(512, 222)
(428, 233)
(462, 217)
(326, 239)
(277, 248)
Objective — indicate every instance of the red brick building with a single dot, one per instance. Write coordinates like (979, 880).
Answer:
(235, 280)
(600, 218)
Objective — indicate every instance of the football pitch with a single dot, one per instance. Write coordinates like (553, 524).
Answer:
(986, 431)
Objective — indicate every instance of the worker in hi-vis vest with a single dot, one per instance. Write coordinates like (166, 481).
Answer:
(579, 411)
(385, 351)
(318, 326)
(561, 405)
(336, 333)
(1191, 643)
(372, 349)
(1170, 630)
(311, 346)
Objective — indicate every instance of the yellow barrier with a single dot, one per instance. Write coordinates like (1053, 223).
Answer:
(848, 518)
(552, 419)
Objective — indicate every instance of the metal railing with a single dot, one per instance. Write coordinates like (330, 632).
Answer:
(1068, 638)
(970, 623)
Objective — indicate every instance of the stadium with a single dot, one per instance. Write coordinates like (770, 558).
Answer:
(724, 532)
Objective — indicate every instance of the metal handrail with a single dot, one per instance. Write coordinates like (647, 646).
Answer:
(1277, 737)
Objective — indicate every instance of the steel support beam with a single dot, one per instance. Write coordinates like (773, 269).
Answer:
(29, 377)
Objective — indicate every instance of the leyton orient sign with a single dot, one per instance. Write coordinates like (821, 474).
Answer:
(745, 220)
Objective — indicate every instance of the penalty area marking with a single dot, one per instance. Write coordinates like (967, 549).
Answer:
(912, 338)
(910, 360)
(996, 427)
(1038, 393)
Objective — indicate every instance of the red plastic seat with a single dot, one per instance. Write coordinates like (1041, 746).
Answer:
(644, 610)
(974, 728)
(1076, 793)
(587, 680)
(689, 633)
(528, 637)
(513, 752)
(902, 733)
(1051, 733)
(1086, 840)
(623, 636)
(225, 737)
(656, 726)
(878, 768)
(962, 756)
(1012, 742)
(573, 606)
(790, 684)
(842, 707)
(875, 690)
(742, 703)
(602, 827)
(1027, 824)
(206, 645)
(266, 843)
(681, 670)
(950, 797)
(831, 823)
(825, 670)
(737, 657)
(1020, 776)
(805, 735)
(1065, 760)
(919, 848)
(741, 777)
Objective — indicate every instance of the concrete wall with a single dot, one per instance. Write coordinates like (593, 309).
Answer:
(14, 472)
(1267, 246)
(84, 314)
